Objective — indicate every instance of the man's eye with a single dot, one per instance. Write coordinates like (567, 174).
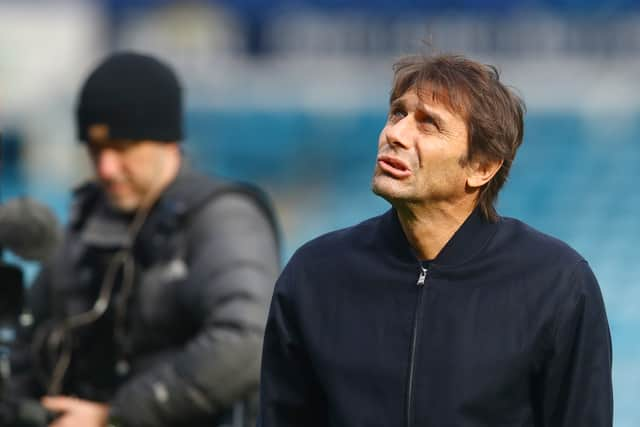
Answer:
(121, 147)
(397, 114)
(428, 122)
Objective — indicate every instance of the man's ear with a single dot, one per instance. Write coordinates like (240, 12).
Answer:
(481, 172)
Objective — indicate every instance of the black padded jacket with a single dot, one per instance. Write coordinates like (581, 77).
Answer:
(181, 345)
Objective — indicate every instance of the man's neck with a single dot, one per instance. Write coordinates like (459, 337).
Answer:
(428, 228)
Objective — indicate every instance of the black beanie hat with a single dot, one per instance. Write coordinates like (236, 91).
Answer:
(131, 96)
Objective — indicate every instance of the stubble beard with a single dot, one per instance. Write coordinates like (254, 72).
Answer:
(389, 189)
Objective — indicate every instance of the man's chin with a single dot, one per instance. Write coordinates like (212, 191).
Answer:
(386, 189)
(123, 204)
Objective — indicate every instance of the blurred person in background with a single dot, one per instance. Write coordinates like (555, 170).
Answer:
(152, 312)
(439, 312)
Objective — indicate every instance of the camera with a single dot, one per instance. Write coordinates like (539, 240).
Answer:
(11, 303)
(14, 412)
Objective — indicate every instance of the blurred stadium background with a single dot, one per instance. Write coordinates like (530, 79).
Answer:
(292, 94)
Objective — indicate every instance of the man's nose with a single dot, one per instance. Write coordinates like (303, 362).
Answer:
(107, 163)
(397, 134)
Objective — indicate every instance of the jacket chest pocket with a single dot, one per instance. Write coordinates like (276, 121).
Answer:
(158, 296)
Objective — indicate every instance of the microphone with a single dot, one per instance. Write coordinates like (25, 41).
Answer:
(29, 229)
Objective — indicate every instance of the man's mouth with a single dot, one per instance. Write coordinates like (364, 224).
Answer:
(114, 187)
(394, 167)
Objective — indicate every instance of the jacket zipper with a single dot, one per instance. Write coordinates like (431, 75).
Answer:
(414, 339)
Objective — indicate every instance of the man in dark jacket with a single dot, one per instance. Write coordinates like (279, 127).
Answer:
(152, 313)
(439, 312)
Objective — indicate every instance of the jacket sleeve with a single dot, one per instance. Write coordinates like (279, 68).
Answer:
(233, 262)
(290, 395)
(577, 389)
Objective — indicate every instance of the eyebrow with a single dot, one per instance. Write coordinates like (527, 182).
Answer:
(398, 102)
(427, 111)
(437, 118)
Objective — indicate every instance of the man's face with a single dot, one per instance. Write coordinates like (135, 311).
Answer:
(421, 153)
(128, 170)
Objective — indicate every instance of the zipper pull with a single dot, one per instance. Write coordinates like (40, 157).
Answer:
(423, 276)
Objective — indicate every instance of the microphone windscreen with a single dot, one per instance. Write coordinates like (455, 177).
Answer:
(29, 229)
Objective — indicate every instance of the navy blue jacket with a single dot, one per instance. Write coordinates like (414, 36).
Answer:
(506, 327)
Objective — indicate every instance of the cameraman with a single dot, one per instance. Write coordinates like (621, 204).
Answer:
(152, 313)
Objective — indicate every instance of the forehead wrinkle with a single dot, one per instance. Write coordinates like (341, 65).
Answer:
(443, 94)
(436, 96)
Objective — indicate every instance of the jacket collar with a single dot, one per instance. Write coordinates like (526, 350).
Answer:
(467, 241)
(108, 228)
